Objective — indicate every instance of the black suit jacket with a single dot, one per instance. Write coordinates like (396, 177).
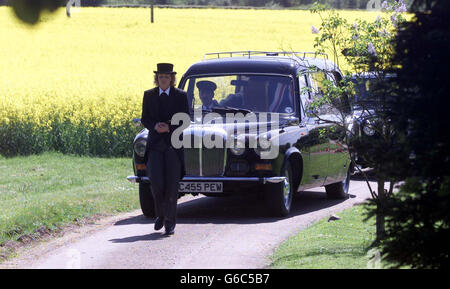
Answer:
(152, 112)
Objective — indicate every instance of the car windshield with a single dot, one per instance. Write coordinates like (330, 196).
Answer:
(256, 93)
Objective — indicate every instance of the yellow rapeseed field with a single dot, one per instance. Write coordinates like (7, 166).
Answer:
(74, 84)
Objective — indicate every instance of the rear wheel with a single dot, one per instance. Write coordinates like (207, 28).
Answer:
(339, 190)
(279, 196)
(146, 200)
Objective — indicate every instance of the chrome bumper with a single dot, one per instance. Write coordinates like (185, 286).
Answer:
(135, 179)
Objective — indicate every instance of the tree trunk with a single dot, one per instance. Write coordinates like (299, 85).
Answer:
(380, 220)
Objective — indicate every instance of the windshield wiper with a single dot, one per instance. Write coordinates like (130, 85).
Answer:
(229, 108)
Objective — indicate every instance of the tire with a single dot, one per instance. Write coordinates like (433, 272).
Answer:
(146, 200)
(339, 190)
(278, 196)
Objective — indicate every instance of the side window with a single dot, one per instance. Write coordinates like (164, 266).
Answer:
(189, 87)
(338, 77)
(334, 76)
(316, 91)
(317, 86)
(305, 95)
(342, 104)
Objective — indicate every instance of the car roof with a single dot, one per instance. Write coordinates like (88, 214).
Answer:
(257, 64)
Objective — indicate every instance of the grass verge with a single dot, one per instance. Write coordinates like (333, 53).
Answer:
(42, 193)
(338, 244)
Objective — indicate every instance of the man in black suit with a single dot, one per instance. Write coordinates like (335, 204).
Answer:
(165, 164)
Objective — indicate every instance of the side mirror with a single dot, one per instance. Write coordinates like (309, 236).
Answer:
(137, 121)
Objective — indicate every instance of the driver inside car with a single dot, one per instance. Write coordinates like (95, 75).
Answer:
(206, 92)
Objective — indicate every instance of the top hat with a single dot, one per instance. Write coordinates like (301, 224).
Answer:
(165, 68)
(205, 84)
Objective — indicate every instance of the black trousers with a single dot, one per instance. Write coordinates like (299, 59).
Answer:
(164, 172)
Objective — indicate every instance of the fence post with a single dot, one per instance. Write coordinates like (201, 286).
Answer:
(152, 13)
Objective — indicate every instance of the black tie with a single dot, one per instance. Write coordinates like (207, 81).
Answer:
(165, 107)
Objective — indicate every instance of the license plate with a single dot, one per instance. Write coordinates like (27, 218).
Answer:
(200, 187)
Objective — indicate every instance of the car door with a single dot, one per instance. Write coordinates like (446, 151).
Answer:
(339, 158)
(314, 145)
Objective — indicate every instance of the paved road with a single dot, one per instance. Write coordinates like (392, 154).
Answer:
(233, 232)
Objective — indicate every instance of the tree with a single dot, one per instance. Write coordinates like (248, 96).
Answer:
(29, 11)
(363, 46)
(418, 227)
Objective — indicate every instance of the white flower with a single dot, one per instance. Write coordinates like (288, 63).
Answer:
(394, 19)
(314, 30)
(378, 19)
(355, 26)
(371, 49)
(308, 103)
(401, 7)
(383, 33)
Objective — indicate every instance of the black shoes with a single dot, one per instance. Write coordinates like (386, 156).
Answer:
(159, 223)
(169, 227)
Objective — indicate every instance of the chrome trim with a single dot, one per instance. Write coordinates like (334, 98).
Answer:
(225, 159)
(236, 179)
(132, 179)
(219, 179)
(234, 73)
(135, 179)
(275, 180)
(287, 191)
(200, 157)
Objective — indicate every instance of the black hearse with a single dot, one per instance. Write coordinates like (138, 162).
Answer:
(294, 151)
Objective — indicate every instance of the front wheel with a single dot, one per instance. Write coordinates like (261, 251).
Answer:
(146, 200)
(339, 190)
(279, 196)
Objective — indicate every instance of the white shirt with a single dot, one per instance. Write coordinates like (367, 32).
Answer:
(166, 91)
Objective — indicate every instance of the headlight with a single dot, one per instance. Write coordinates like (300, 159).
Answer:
(239, 148)
(139, 147)
(264, 145)
(368, 130)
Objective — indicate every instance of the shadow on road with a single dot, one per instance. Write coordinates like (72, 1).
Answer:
(148, 237)
(245, 209)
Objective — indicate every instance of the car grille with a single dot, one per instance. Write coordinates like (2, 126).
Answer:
(192, 163)
(213, 162)
(205, 162)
